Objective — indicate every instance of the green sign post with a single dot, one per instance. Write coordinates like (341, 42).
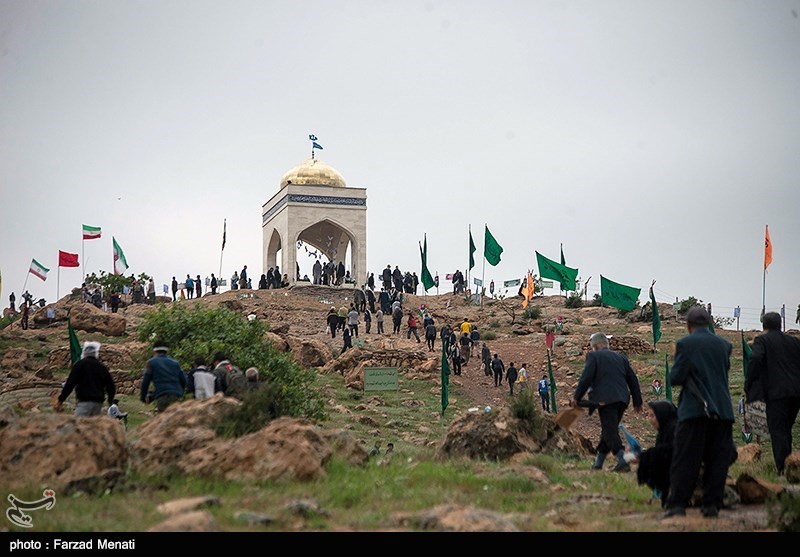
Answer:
(380, 378)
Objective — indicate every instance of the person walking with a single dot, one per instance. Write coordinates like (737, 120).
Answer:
(704, 433)
(347, 340)
(498, 368)
(352, 321)
(466, 347)
(174, 289)
(475, 337)
(486, 360)
(200, 382)
(166, 376)
(379, 320)
(511, 377)
(91, 380)
(367, 320)
(523, 377)
(773, 375)
(455, 356)
(342, 317)
(544, 392)
(611, 382)
(430, 335)
(234, 378)
(333, 321)
(412, 326)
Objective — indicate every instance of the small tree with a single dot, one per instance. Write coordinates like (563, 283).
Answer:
(687, 304)
(509, 306)
(573, 301)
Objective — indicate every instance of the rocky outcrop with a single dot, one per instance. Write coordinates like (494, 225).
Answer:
(486, 436)
(277, 341)
(56, 449)
(124, 356)
(86, 317)
(17, 360)
(197, 521)
(748, 453)
(182, 440)
(627, 344)
(309, 352)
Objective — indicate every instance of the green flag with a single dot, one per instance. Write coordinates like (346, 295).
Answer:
(618, 295)
(553, 388)
(552, 270)
(425, 275)
(711, 324)
(445, 375)
(563, 261)
(74, 345)
(667, 382)
(491, 249)
(745, 356)
(656, 319)
(472, 250)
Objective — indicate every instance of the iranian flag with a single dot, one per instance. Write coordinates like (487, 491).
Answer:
(38, 269)
(120, 263)
(91, 232)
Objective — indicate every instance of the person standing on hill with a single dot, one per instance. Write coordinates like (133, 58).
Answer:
(611, 382)
(397, 275)
(90, 379)
(475, 337)
(455, 356)
(198, 287)
(340, 273)
(773, 375)
(174, 289)
(243, 278)
(371, 299)
(151, 291)
(387, 278)
(316, 272)
(704, 434)
(189, 287)
(379, 320)
(371, 283)
(213, 284)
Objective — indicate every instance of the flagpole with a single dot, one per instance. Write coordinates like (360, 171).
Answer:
(483, 271)
(83, 263)
(469, 228)
(764, 293)
(58, 283)
(221, 251)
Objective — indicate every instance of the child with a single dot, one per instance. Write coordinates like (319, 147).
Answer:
(654, 463)
(114, 412)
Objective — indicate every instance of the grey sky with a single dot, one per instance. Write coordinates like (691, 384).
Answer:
(654, 139)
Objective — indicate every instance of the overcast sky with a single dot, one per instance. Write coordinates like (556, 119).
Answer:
(654, 139)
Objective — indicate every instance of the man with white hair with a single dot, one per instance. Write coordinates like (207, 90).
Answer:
(611, 382)
(90, 379)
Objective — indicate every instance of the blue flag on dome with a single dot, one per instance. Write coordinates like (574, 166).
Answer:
(316, 145)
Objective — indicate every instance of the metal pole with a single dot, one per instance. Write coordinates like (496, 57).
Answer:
(58, 283)
(764, 294)
(83, 262)
(783, 315)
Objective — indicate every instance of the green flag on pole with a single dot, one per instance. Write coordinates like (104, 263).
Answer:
(553, 388)
(425, 275)
(74, 345)
(656, 319)
(445, 376)
(472, 250)
(618, 295)
(667, 382)
(552, 270)
(491, 249)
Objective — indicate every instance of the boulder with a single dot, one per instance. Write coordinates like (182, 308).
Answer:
(39, 318)
(345, 446)
(277, 341)
(286, 449)
(167, 438)
(354, 378)
(792, 467)
(749, 453)
(56, 449)
(457, 518)
(86, 317)
(187, 504)
(486, 436)
(753, 491)
(309, 352)
(124, 356)
(282, 329)
(197, 521)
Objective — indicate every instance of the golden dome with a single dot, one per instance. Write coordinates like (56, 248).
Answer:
(313, 172)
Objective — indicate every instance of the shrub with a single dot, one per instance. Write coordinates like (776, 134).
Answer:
(597, 300)
(525, 407)
(203, 332)
(784, 512)
(532, 312)
(489, 335)
(687, 304)
(494, 324)
(573, 301)
(259, 406)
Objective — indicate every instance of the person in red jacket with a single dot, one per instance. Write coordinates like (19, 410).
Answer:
(412, 326)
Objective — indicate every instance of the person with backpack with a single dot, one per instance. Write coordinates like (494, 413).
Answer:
(233, 376)
(498, 368)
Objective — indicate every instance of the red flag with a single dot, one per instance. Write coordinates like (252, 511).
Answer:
(549, 338)
(67, 259)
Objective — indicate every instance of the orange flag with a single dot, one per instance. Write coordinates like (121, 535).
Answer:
(767, 249)
(527, 291)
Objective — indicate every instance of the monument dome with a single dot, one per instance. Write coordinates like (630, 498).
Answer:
(313, 172)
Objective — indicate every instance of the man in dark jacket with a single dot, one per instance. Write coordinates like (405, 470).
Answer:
(90, 379)
(167, 377)
(704, 434)
(498, 368)
(387, 278)
(613, 382)
(773, 375)
(511, 376)
(397, 275)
